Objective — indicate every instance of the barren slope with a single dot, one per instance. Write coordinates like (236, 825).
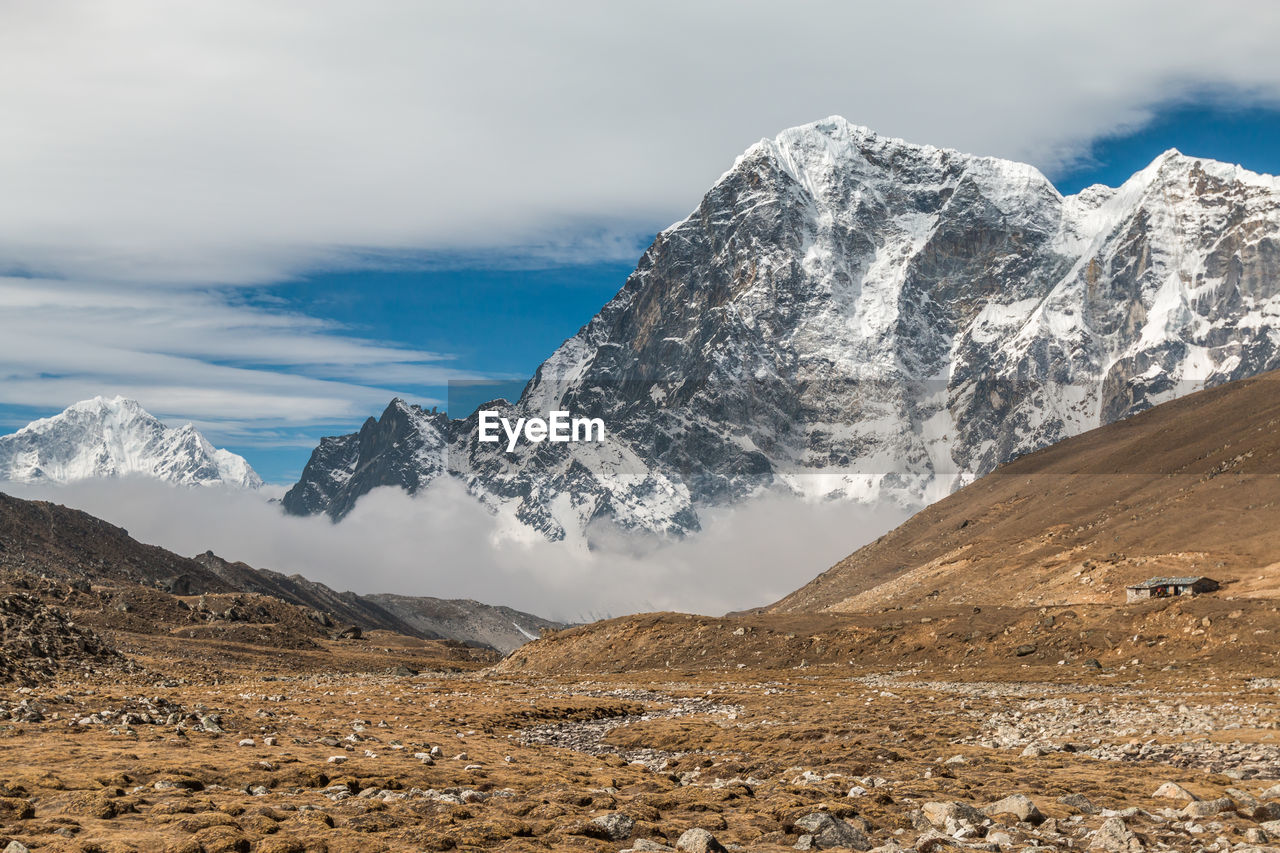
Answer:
(42, 538)
(143, 584)
(1189, 487)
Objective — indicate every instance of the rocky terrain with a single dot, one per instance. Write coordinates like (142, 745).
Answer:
(1126, 758)
(851, 316)
(134, 718)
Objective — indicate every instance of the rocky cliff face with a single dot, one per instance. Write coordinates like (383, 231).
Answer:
(406, 447)
(856, 317)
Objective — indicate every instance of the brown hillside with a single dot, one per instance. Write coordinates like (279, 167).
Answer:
(42, 538)
(1187, 488)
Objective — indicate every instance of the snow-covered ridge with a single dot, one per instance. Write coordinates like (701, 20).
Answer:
(851, 316)
(116, 437)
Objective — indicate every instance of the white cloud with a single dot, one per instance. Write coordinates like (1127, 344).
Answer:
(442, 543)
(235, 370)
(237, 141)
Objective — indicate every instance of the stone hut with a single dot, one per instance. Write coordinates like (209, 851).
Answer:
(1166, 587)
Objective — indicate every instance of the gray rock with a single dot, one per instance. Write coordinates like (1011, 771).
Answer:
(1018, 805)
(1079, 802)
(1115, 837)
(829, 831)
(644, 845)
(932, 841)
(1207, 808)
(1252, 807)
(1243, 799)
(1174, 791)
(616, 826)
(938, 813)
(699, 840)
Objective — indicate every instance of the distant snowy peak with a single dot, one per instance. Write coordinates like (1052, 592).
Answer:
(103, 438)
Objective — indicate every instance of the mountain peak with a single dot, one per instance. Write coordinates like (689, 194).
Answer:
(116, 437)
(849, 315)
(101, 404)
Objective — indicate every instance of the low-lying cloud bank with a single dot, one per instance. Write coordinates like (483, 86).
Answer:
(442, 543)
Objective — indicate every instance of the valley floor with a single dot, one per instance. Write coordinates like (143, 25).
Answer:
(261, 754)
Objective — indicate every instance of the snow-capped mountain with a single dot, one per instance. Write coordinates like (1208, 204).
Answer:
(117, 438)
(851, 316)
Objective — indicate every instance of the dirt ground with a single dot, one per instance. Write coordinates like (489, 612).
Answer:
(375, 745)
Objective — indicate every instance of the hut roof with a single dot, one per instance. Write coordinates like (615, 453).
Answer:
(1155, 582)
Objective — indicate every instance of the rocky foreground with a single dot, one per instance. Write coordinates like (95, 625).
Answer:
(1132, 756)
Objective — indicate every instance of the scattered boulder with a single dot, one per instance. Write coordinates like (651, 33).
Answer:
(934, 841)
(1252, 807)
(1114, 837)
(827, 831)
(1018, 805)
(615, 826)
(1207, 808)
(939, 813)
(1174, 791)
(1079, 802)
(1243, 799)
(644, 845)
(699, 841)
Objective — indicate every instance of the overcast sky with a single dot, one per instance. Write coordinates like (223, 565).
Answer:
(157, 157)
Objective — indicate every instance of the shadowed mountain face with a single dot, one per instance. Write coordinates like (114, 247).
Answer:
(499, 628)
(851, 316)
(45, 540)
(1191, 487)
(405, 447)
